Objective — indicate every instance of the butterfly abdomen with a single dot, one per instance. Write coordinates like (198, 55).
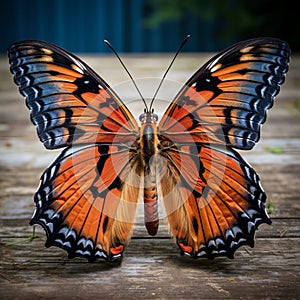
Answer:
(151, 205)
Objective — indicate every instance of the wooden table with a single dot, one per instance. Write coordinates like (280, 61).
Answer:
(152, 267)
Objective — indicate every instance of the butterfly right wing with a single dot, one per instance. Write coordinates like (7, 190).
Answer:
(69, 103)
(213, 198)
(86, 201)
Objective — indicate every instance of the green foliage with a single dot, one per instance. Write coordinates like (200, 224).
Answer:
(274, 150)
(27, 240)
(270, 207)
(297, 104)
(233, 15)
(232, 19)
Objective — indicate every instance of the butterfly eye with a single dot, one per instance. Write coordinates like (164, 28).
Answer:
(142, 116)
(155, 116)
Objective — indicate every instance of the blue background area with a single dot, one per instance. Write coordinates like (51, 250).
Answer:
(82, 25)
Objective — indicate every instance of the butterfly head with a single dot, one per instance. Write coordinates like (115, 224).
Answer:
(148, 117)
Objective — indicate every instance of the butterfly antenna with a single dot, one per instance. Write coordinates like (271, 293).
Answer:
(163, 78)
(120, 60)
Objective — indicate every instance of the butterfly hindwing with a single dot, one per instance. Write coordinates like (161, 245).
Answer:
(219, 200)
(84, 202)
(69, 103)
(225, 101)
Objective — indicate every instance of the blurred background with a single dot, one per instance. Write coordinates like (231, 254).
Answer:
(147, 26)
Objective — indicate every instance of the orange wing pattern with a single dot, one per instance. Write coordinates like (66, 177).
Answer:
(87, 198)
(84, 202)
(225, 101)
(70, 104)
(219, 200)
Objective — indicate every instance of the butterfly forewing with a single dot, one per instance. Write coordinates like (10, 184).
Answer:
(225, 101)
(69, 103)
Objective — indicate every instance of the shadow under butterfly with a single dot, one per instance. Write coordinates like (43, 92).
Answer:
(87, 198)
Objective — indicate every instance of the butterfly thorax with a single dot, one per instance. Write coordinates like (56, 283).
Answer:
(148, 136)
(148, 149)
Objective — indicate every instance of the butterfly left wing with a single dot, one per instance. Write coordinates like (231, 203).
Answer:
(69, 103)
(83, 202)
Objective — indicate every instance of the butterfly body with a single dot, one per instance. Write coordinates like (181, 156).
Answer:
(146, 148)
(187, 160)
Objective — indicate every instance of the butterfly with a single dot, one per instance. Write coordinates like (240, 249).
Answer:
(87, 198)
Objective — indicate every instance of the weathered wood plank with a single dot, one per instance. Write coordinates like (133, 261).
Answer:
(154, 269)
